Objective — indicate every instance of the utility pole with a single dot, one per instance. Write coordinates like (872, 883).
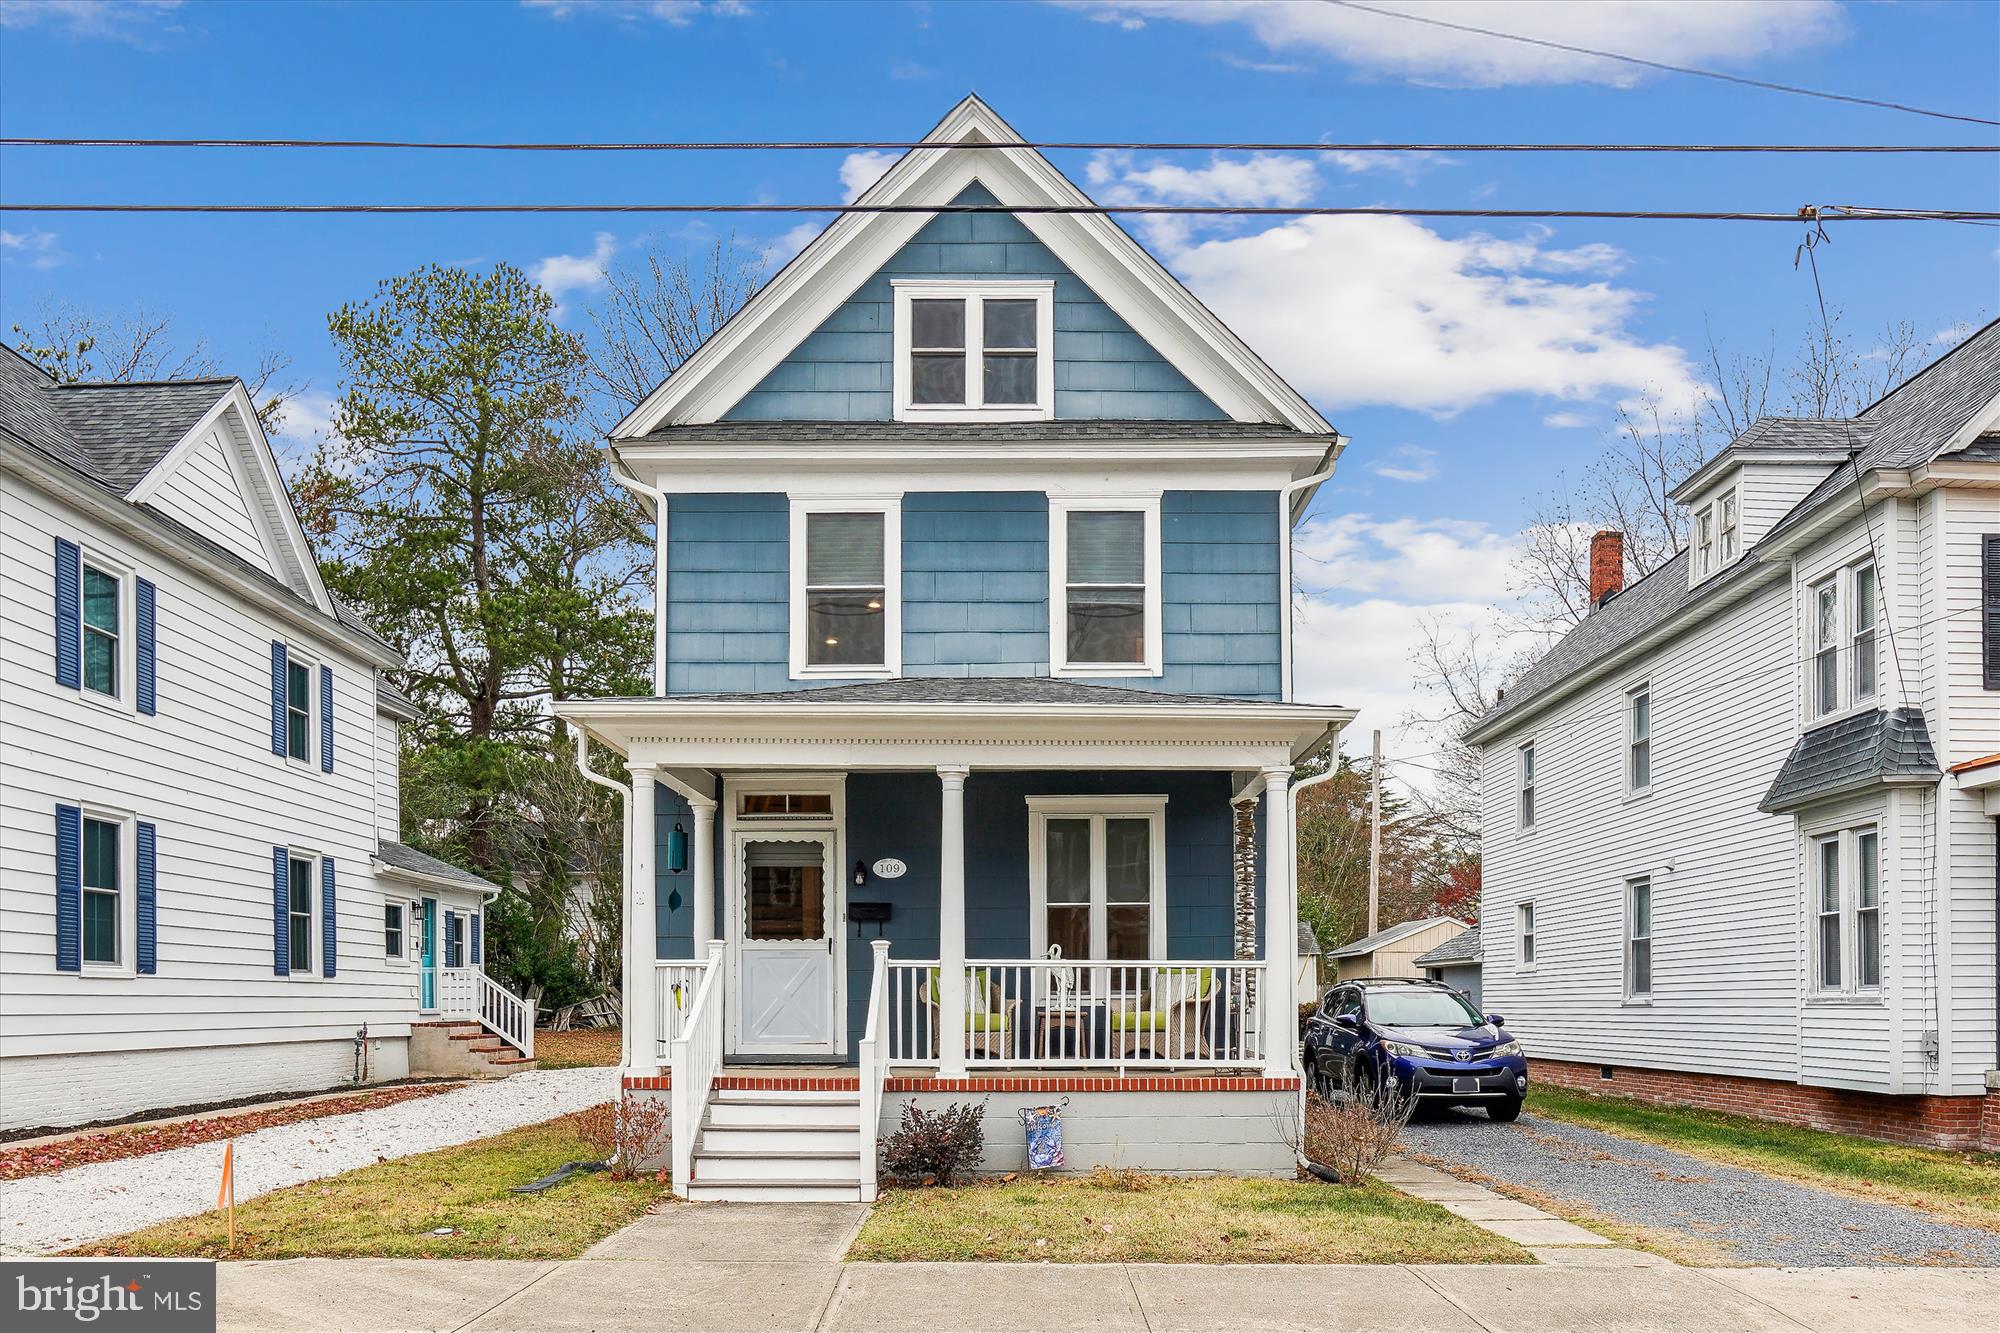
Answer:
(1375, 834)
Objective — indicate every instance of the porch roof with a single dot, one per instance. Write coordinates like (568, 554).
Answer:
(996, 721)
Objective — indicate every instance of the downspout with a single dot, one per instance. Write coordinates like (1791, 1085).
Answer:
(624, 477)
(1288, 517)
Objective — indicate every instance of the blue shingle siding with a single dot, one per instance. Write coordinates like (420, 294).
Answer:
(727, 593)
(673, 923)
(1103, 370)
(976, 584)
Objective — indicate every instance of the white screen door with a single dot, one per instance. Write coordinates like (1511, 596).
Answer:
(787, 915)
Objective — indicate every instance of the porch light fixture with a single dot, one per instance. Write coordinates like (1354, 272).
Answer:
(677, 850)
(860, 873)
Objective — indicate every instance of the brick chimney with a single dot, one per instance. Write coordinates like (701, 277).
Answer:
(1607, 567)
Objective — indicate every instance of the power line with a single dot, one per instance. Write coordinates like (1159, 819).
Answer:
(1039, 145)
(1816, 213)
(1660, 65)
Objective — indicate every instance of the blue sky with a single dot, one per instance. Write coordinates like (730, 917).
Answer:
(1468, 362)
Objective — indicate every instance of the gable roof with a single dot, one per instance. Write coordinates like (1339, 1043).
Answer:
(1117, 268)
(1946, 409)
(1382, 939)
(1460, 948)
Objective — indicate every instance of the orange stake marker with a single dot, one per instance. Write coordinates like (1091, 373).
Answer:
(225, 1198)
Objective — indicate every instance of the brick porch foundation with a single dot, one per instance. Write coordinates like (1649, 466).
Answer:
(1968, 1122)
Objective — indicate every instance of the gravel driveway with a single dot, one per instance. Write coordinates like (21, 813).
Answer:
(46, 1213)
(1757, 1218)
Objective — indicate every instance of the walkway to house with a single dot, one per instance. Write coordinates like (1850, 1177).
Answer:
(1750, 1217)
(43, 1214)
(733, 1266)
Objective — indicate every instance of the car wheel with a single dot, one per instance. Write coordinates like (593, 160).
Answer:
(1506, 1110)
(1361, 1084)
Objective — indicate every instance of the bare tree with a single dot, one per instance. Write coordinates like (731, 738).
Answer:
(72, 344)
(654, 315)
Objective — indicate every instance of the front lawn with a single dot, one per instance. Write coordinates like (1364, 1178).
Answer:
(1123, 1217)
(391, 1210)
(1956, 1186)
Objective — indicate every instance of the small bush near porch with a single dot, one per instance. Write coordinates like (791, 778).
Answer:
(392, 1209)
(1127, 1217)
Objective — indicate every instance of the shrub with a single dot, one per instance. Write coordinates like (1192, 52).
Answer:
(1351, 1136)
(936, 1147)
(626, 1132)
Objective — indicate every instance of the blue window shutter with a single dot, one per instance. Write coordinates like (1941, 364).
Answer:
(147, 649)
(326, 719)
(69, 615)
(281, 921)
(147, 947)
(69, 888)
(328, 910)
(475, 937)
(278, 698)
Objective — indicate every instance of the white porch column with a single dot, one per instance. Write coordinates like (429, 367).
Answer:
(951, 924)
(1281, 932)
(704, 869)
(641, 931)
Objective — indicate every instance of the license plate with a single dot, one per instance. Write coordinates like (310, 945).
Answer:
(1465, 1085)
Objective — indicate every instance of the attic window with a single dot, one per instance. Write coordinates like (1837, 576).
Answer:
(969, 351)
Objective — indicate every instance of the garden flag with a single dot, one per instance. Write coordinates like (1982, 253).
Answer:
(1045, 1146)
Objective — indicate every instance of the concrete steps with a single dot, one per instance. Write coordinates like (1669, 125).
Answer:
(461, 1048)
(778, 1146)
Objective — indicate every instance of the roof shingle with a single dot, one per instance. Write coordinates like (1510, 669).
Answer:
(1851, 755)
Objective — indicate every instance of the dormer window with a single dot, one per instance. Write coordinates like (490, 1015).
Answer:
(1718, 536)
(1726, 528)
(1704, 541)
(974, 351)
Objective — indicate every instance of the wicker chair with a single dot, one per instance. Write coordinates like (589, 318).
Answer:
(992, 1021)
(1174, 1020)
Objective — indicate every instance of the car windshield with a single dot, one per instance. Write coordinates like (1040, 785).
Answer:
(1421, 1009)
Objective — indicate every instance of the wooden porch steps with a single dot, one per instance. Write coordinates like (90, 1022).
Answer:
(760, 1143)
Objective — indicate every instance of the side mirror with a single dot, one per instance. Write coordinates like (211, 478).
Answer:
(1495, 1019)
(1346, 1020)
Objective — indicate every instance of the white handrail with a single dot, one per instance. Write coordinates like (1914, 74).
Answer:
(674, 985)
(874, 1062)
(693, 1060)
(467, 992)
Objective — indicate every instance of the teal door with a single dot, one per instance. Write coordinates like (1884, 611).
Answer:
(430, 974)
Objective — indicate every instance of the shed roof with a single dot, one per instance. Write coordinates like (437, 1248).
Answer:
(1853, 754)
(1368, 944)
(1459, 949)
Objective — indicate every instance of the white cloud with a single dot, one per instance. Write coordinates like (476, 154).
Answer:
(559, 275)
(1408, 462)
(1410, 558)
(910, 71)
(678, 13)
(1565, 421)
(1382, 310)
(1734, 35)
(306, 423)
(858, 171)
(781, 250)
(1260, 180)
(37, 249)
(119, 20)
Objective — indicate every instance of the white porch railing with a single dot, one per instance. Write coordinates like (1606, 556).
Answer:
(467, 992)
(674, 987)
(695, 1057)
(873, 1058)
(1043, 1014)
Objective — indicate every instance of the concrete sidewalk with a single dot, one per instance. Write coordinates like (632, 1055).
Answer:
(777, 1267)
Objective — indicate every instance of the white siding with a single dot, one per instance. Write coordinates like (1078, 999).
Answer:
(1970, 729)
(388, 764)
(203, 492)
(201, 770)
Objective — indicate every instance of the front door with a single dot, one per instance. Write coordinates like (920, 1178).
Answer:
(430, 972)
(786, 904)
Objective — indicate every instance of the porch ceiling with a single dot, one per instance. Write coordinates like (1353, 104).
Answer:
(989, 726)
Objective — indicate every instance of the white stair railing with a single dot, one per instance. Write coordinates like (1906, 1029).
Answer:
(467, 992)
(874, 1059)
(674, 984)
(694, 1059)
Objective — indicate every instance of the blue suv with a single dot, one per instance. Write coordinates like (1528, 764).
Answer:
(1423, 1034)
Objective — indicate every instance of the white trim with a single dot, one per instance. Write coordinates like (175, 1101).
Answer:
(1632, 695)
(1631, 993)
(1844, 833)
(315, 914)
(1526, 779)
(1097, 809)
(975, 293)
(1527, 930)
(1128, 279)
(126, 665)
(127, 823)
(890, 506)
(1060, 508)
(294, 657)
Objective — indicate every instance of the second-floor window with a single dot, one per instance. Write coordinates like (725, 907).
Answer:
(1826, 646)
(1862, 632)
(102, 592)
(845, 586)
(1106, 564)
(1639, 739)
(298, 709)
(1527, 786)
(971, 351)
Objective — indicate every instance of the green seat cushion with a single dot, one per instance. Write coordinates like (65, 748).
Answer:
(987, 1022)
(1139, 1020)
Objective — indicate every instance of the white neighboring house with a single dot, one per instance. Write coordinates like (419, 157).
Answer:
(1740, 822)
(201, 898)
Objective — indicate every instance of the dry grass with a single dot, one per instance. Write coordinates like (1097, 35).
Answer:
(580, 1048)
(1127, 1217)
(1962, 1187)
(390, 1210)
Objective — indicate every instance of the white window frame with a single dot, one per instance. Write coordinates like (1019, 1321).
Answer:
(125, 666)
(1853, 634)
(1525, 933)
(890, 507)
(1704, 541)
(1824, 639)
(1060, 508)
(1849, 841)
(402, 929)
(1633, 939)
(127, 962)
(295, 658)
(1633, 740)
(314, 910)
(1525, 779)
(1041, 291)
(1728, 527)
(1096, 809)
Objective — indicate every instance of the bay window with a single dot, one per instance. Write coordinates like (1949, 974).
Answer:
(1826, 647)
(1861, 633)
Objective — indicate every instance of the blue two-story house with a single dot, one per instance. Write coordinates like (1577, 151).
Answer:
(968, 756)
